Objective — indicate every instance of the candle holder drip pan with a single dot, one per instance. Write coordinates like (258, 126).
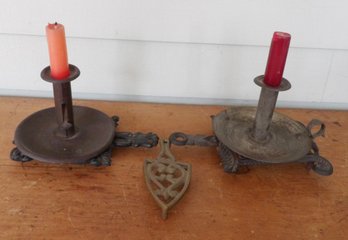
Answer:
(287, 141)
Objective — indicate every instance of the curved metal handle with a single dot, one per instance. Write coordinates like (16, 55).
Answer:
(182, 139)
(313, 123)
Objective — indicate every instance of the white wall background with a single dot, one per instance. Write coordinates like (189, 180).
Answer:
(185, 51)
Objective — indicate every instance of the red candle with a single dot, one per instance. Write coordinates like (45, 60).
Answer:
(277, 58)
(57, 50)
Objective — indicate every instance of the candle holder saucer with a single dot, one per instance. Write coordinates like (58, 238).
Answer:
(72, 134)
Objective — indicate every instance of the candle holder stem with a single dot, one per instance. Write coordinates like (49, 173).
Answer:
(264, 113)
(265, 108)
(64, 109)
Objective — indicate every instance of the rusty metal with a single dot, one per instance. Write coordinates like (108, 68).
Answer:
(166, 179)
(247, 136)
(71, 134)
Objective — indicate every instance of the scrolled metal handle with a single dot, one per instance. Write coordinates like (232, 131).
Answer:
(182, 139)
(313, 123)
(178, 138)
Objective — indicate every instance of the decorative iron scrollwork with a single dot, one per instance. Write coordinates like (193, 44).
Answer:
(103, 159)
(17, 155)
(181, 139)
(128, 139)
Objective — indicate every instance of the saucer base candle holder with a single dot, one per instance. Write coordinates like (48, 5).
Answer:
(67, 133)
(72, 134)
(247, 136)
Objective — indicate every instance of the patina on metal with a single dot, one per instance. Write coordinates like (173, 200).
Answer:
(63, 100)
(41, 138)
(137, 139)
(246, 136)
(182, 139)
(71, 134)
(166, 179)
(265, 108)
(286, 140)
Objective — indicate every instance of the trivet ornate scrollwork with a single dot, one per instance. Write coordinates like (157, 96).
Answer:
(166, 179)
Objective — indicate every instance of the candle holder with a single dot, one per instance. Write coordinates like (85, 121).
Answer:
(72, 134)
(247, 136)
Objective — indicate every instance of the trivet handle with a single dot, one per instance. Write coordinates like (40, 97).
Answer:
(182, 139)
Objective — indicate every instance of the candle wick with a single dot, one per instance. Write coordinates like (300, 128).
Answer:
(55, 23)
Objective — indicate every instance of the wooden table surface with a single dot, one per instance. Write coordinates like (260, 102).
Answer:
(43, 201)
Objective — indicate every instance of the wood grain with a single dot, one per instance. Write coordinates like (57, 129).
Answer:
(43, 201)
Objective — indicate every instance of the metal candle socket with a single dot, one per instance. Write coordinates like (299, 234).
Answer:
(252, 136)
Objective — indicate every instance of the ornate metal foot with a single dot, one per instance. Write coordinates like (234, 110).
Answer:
(17, 155)
(316, 162)
(103, 159)
(166, 179)
(232, 162)
(229, 159)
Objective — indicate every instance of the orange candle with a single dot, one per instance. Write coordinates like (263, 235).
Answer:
(57, 50)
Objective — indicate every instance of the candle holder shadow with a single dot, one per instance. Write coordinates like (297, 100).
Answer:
(246, 136)
(72, 134)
